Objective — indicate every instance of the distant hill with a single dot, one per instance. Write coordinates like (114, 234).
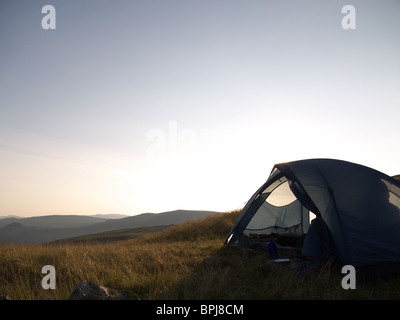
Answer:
(110, 216)
(16, 232)
(150, 219)
(10, 216)
(112, 236)
(50, 228)
(397, 177)
(54, 221)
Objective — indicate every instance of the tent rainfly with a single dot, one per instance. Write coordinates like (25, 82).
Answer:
(354, 212)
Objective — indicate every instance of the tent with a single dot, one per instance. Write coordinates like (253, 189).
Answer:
(354, 212)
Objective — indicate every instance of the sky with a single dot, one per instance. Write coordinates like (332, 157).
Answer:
(131, 106)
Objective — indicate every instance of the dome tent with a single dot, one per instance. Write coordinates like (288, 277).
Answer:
(356, 208)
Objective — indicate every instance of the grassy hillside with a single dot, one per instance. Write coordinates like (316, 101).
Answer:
(112, 236)
(170, 264)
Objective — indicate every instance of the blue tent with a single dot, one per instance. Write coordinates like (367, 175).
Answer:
(354, 212)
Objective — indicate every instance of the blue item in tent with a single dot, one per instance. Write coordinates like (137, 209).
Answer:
(271, 249)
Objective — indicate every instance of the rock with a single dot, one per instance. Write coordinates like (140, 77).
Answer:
(86, 290)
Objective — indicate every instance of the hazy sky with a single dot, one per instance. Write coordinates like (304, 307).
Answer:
(135, 106)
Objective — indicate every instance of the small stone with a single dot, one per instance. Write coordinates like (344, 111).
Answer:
(87, 290)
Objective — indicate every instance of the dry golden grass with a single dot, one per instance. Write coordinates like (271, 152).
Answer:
(170, 265)
(144, 267)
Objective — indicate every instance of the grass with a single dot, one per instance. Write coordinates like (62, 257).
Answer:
(181, 262)
(112, 236)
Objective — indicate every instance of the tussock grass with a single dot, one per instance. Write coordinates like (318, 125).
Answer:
(182, 262)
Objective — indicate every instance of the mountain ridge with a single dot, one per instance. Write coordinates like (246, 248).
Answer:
(50, 228)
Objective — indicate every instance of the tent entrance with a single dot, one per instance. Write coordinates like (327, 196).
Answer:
(280, 216)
